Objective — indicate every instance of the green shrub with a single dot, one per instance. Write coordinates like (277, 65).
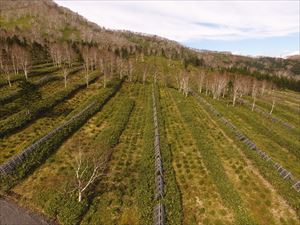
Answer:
(21, 118)
(212, 161)
(43, 150)
(172, 197)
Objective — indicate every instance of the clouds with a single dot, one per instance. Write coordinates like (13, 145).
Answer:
(249, 27)
(190, 20)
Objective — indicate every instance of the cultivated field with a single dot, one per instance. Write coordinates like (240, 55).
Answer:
(208, 175)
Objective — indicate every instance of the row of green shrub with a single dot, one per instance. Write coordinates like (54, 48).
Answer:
(212, 162)
(269, 173)
(42, 151)
(67, 209)
(11, 96)
(284, 188)
(146, 170)
(172, 195)
(21, 118)
(33, 73)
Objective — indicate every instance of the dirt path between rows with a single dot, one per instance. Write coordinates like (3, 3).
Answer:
(12, 214)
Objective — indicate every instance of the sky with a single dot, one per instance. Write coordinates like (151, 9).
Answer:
(254, 27)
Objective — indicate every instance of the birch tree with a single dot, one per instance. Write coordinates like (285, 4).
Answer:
(69, 54)
(5, 65)
(56, 54)
(254, 92)
(200, 81)
(236, 88)
(25, 60)
(87, 171)
(273, 95)
(14, 54)
(85, 53)
(145, 74)
(130, 72)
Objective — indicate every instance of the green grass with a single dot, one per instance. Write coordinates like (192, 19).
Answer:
(204, 135)
(21, 118)
(267, 171)
(16, 142)
(282, 145)
(46, 89)
(172, 197)
(57, 171)
(260, 198)
(200, 196)
(116, 197)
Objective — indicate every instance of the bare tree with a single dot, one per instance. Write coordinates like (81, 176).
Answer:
(56, 53)
(106, 71)
(25, 60)
(200, 80)
(6, 72)
(263, 87)
(207, 84)
(236, 88)
(68, 53)
(85, 52)
(65, 70)
(254, 92)
(273, 95)
(218, 84)
(14, 53)
(130, 72)
(5, 64)
(87, 171)
(184, 84)
(120, 66)
(145, 74)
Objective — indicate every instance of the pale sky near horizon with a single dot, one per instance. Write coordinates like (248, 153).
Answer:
(255, 27)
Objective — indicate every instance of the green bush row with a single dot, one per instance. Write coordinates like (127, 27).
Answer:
(66, 208)
(42, 151)
(11, 96)
(33, 73)
(212, 162)
(110, 135)
(172, 196)
(146, 170)
(21, 118)
(268, 172)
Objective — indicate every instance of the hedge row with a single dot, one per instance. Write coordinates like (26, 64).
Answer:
(33, 73)
(15, 94)
(265, 168)
(67, 209)
(146, 170)
(45, 148)
(21, 118)
(172, 196)
(212, 162)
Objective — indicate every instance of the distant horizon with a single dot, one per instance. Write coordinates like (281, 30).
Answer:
(264, 28)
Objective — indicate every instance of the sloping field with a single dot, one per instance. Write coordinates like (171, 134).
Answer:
(208, 175)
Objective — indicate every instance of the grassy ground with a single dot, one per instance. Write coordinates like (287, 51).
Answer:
(116, 201)
(219, 180)
(260, 198)
(200, 198)
(17, 141)
(47, 183)
(281, 144)
(33, 75)
(46, 90)
(284, 109)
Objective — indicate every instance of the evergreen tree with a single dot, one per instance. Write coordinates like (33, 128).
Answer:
(29, 93)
